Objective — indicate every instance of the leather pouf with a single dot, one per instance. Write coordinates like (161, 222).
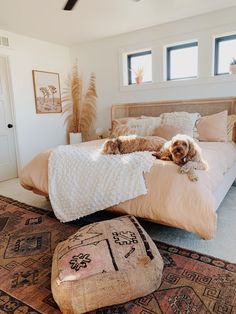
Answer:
(105, 263)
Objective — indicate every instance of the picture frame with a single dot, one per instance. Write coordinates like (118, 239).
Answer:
(47, 92)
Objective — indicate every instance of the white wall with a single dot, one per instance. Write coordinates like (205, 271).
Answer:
(35, 132)
(104, 57)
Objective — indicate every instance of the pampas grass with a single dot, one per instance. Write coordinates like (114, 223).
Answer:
(81, 110)
(88, 112)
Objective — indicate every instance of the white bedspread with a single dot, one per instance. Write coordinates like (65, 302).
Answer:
(82, 180)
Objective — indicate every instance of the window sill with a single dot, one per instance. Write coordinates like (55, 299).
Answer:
(216, 79)
(145, 85)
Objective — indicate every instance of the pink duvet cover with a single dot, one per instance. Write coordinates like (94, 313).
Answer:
(171, 199)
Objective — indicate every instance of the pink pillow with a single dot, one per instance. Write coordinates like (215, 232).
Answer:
(166, 131)
(213, 128)
(230, 126)
(234, 133)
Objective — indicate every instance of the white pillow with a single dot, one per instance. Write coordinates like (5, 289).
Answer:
(145, 126)
(185, 121)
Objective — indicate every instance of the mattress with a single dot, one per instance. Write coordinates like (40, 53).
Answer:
(225, 185)
(171, 199)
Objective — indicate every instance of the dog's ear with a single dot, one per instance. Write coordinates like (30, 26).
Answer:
(191, 150)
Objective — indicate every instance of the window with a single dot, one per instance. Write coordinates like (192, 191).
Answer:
(225, 51)
(182, 61)
(139, 62)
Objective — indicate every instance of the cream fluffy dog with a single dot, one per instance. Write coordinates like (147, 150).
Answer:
(186, 153)
(132, 143)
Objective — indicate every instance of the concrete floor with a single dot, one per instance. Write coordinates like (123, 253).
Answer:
(223, 246)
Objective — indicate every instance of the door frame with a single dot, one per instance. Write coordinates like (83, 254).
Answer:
(12, 109)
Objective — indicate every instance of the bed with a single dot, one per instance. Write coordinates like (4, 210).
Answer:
(171, 199)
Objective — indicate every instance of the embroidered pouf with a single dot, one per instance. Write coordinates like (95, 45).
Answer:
(105, 263)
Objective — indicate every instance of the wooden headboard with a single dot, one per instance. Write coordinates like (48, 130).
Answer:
(203, 106)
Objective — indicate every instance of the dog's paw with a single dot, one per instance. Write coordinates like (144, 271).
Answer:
(193, 177)
(184, 169)
(180, 170)
(166, 158)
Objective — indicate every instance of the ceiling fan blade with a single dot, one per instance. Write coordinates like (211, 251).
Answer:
(70, 4)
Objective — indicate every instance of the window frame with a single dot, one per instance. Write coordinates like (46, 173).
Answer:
(168, 59)
(218, 40)
(129, 57)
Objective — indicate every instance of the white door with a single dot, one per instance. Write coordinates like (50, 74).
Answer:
(8, 166)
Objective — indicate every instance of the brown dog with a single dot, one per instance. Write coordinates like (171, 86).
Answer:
(132, 143)
(185, 152)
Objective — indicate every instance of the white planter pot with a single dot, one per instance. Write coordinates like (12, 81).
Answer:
(75, 138)
(232, 68)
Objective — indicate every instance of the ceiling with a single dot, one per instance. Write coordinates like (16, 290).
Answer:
(95, 19)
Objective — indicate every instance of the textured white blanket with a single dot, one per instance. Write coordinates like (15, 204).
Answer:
(83, 181)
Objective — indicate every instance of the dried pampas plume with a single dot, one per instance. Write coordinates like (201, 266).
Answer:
(88, 112)
(82, 110)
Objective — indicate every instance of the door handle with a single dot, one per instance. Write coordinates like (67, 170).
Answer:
(10, 126)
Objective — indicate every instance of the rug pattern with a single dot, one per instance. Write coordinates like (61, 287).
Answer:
(192, 282)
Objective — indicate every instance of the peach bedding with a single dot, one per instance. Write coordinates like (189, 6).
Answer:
(171, 199)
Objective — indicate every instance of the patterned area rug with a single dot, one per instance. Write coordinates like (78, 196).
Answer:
(192, 282)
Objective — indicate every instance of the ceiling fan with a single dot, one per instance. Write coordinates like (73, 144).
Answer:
(71, 3)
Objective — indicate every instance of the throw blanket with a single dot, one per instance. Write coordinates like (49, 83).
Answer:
(83, 181)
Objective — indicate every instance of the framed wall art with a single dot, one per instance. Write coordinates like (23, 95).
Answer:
(47, 92)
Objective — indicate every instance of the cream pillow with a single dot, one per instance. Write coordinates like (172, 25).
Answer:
(145, 126)
(184, 121)
(213, 128)
(122, 130)
(120, 121)
(230, 125)
(120, 127)
(138, 126)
